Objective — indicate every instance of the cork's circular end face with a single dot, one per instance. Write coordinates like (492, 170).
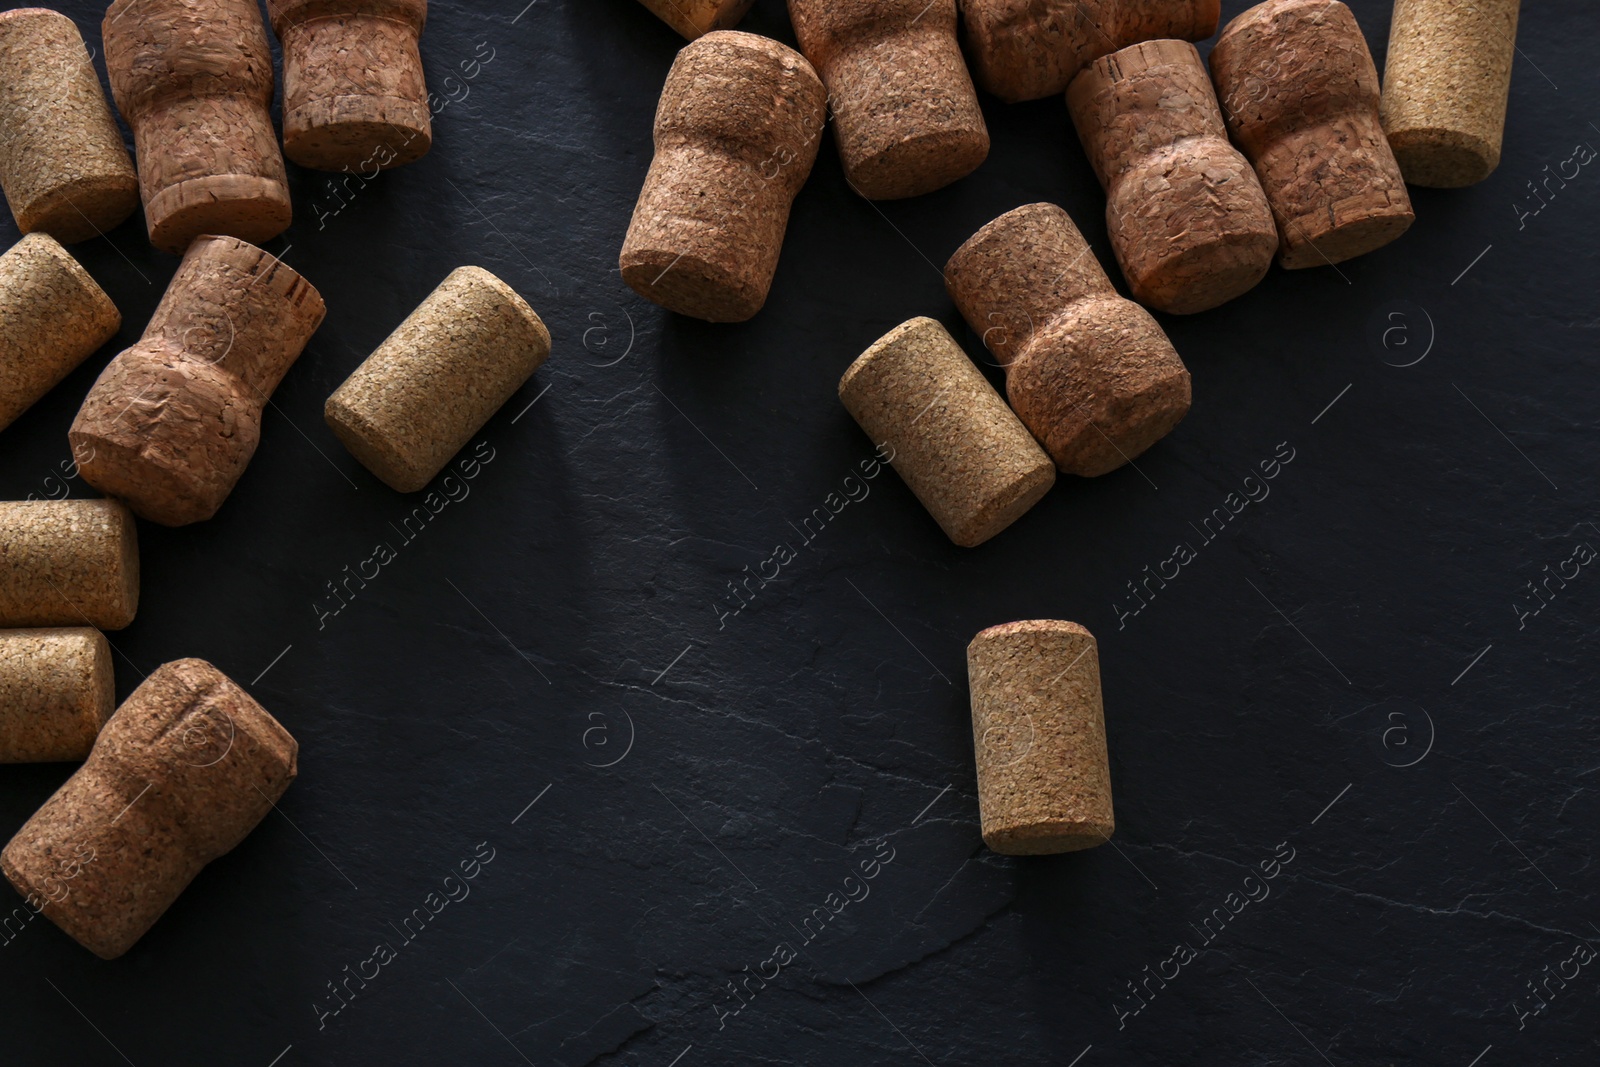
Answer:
(1015, 500)
(1207, 274)
(373, 448)
(237, 205)
(127, 564)
(1029, 218)
(363, 133)
(537, 337)
(1046, 838)
(859, 373)
(1052, 627)
(100, 317)
(1123, 428)
(152, 491)
(1443, 159)
(1310, 242)
(104, 682)
(90, 207)
(691, 285)
(919, 164)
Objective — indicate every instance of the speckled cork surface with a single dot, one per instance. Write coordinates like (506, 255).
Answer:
(63, 166)
(438, 378)
(56, 690)
(695, 18)
(68, 563)
(185, 769)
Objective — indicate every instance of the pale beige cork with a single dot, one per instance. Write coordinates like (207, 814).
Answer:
(57, 688)
(438, 378)
(63, 166)
(696, 18)
(1039, 730)
(182, 773)
(1445, 86)
(68, 563)
(194, 80)
(1088, 371)
(53, 316)
(171, 423)
(905, 114)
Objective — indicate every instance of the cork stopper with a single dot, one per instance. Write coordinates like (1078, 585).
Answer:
(57, 688)
(696, 18)
(905, 114)
(52, 317)
(171, 423)
(736, 133)
(182, 773)
(1445, 86)
(1300, 94)
(1088, 371)
(1044, 777)
(63, 166)
(438, 378)
(68, 563)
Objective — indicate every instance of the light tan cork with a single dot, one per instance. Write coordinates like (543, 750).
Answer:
(1044, 777)
(182, 773)
(1445, 86)
(421, 396)
(696, 18)
(57, 688)
(171, 423)
(949, 435)
(1089, 372)
(1300, 95)
(68, 563)
(905, 114)
(63, 166)
(52, 317)
(354, 94)
(194, 80)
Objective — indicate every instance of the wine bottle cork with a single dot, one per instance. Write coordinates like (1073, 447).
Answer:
(194, 80)
(1445, 86)
(182, 773)
(905, 114)
(354, 95)
(171, 423)
(63, 165)
(1039, 730)
(1300, 95)
(736, 133)
(1087, 370)
(696, 18)
(57, 688)
(1189, 223)
(68, 563)
(422, 395)
(958, 446)
(52, 317)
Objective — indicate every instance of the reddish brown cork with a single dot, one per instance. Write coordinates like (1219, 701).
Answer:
(194, 80)
(696, 18)
(905, 114)
(172, 422)
(1087, 370)
(1188, 220)
(353, 90)
(57, 688)
(1300, 94)
(736, 133)
(68, 563)
(182, 773)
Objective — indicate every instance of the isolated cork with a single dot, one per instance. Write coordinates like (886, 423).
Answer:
(1445, 86)
(354, 94)
(63, 166)
(421, 396)
(1044, 777)
(696, 18)
(171, 423)
(52, 317)
(68, 563)
(736, 133)
(905, 114)
(193, 78)
(1088, 371)
(182, 773)
(57, 688)
(1300, 95)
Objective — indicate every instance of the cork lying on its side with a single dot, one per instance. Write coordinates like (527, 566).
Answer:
(438, 378)
(68, 563)
(56, 691)
(696, 18)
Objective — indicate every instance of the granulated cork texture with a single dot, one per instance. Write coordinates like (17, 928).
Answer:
(68, 563)
(695, 18)
(56, 691)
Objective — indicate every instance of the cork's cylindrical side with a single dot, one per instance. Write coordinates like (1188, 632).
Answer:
(1038, 727)
(696, 18)
(1445, 86)
(438, 378)
(63, 166)
(182, 773)
(56, 690)
(68, 563)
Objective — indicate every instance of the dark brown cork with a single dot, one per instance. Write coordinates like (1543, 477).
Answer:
(1044, 776)
(1087, 370)
(736, 133)
(56, 691)
(1188, 220)
(905, 114)
(353, 90)
(68, 563)
(182, 773)
(172, 422)
(696, 18)
(1300, 95)
(194, 80)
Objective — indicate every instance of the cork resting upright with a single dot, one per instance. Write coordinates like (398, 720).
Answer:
(696, 18)
(68, 563)
(56, 691)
